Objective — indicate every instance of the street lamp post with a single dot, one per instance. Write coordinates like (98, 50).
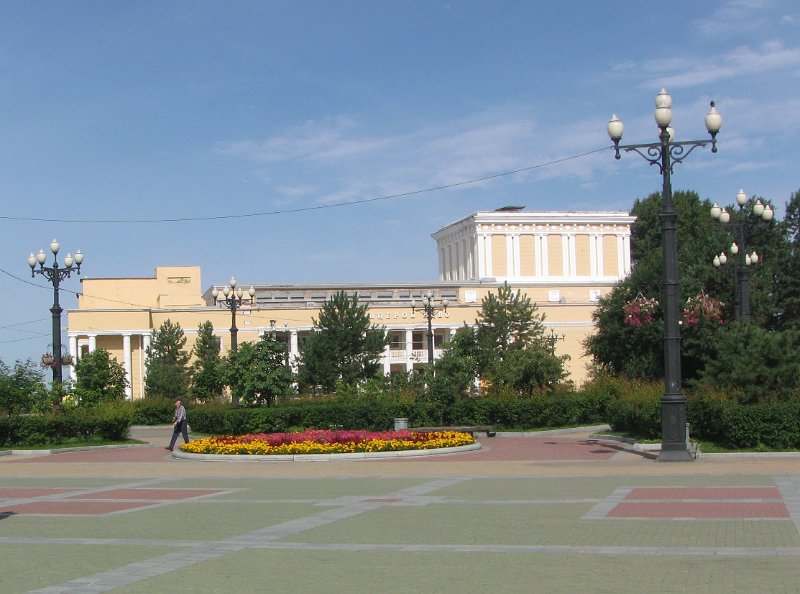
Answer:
(429, 310)
(666, 154)
(233, 298)
(741, 266)
(552, 339)
(55, 274)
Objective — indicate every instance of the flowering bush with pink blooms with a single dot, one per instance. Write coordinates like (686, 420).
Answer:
(639, 311)
(702, 307)
(327, 442)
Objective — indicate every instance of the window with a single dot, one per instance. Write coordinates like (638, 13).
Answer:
(397, 341)
(418, 341)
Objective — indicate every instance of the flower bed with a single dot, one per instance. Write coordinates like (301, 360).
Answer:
(327, 442)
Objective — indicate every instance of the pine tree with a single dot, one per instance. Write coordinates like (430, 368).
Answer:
(346, 348)
(257, 372)
(167, 374)
(207, 369)
(512, 353)
(507, 321)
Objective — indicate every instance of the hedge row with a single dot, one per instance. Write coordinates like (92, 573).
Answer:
(725, 422)
(541, 411)
(107, 423)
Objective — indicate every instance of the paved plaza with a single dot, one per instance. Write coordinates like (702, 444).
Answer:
(550, 513)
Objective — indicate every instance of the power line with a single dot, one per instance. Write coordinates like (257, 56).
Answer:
(306, 208)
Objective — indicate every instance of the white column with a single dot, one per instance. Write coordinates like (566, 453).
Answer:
(462, 271)
(145, 345)
(73, 350)
(623, 255)
(441, 264)
(294, 350)
(516, 267)
(487, 262)
(409, 350)
(470, 258)
(92, 342)
(457, 261)
(127, 364)
(594, 262)
(601, 256)
(542, 257)
(570, 263)
(509, 272)
(546, 255)
(142, 367)
(386, 360)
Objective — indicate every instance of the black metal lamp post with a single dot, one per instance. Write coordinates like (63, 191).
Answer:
(55, 274)
(233, 299)
(666, 154)
(552, 339)
(429, 310)
(750, 214)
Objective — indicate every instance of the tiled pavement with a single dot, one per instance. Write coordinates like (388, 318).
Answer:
(533, 514)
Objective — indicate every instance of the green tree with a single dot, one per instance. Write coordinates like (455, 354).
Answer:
(346, 348)
(100, 378)
(638, 351)
(22, 389)
(787, 285)
(167, 374)
(454, 374)
(208, 373)
(756, 365)
(507, 321)
(511, 351)
(257, 372)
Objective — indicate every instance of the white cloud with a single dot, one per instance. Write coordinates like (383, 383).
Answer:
(737, 17)
(771, 56)
(347, 163)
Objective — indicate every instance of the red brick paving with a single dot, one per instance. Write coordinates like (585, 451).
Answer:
(703, 509)
(86, 508)
(704, 493)
(535, 449)
(28, 492)
(131, 454)
(147, 494)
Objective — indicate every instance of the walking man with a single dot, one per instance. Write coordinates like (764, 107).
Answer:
(178, 425)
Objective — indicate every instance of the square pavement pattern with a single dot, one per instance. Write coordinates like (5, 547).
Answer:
(521, 515)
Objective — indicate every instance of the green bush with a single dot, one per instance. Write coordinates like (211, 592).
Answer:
(528, 413)
(152, 411)
(108, 422)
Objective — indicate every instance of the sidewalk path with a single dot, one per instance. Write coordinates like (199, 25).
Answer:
(524, 514)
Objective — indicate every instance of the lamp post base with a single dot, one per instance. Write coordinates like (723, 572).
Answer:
(675, 444)
(681, 455)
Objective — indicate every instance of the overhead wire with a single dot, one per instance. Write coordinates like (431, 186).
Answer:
(306, 208)
(261, 214)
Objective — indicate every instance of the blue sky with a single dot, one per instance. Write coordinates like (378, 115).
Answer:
(220, 113)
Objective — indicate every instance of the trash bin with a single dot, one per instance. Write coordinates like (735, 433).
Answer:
(400, 423)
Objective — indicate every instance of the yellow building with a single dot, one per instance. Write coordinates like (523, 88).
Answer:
(564, 261)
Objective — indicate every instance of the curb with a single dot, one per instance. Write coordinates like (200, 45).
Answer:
(77, 449)
(323, 457)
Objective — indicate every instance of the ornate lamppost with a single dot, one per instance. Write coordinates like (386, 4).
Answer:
(552, 339)
(55, 274)
(666, 154)
(749, 216)
(233, 298)
(429, 309)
